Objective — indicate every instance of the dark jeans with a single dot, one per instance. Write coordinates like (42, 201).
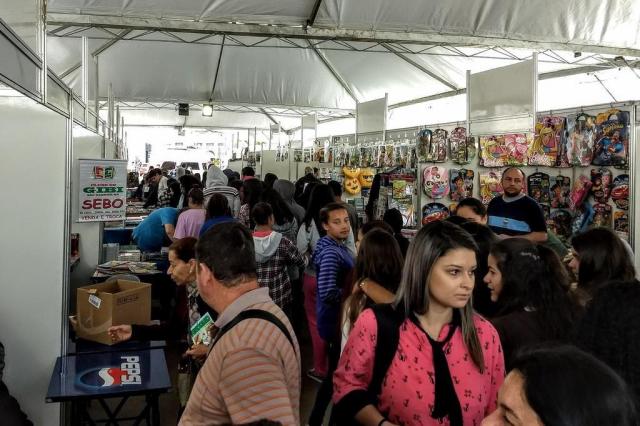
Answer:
(323, 397)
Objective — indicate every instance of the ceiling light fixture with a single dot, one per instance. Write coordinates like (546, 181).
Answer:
(207, 110)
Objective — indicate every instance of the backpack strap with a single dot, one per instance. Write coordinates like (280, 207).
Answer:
(253, 313)
(388, 322)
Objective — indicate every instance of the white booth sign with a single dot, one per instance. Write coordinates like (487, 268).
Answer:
(103, 190)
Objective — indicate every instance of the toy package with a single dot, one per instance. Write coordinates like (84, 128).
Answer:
(402, 198)
(582, 219)
(462, 149)
(434, 211)
(435, 182)
(424, 145)
(504, 150)
(549, 143)
(490, 185)
(538, 185)
(461, 183)
(620, 192)
(351, 181)
(612, 139)
(560, 224)
(580, 191)
(438, 149)
(621, 225)
(601, 215)
(517, 147)
(560, 192)
(546, 212)
(601, 184)
(582, 133)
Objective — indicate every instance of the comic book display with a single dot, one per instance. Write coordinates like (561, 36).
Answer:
(538, 185)
(433, 212)
(549, 144)
(582, 134)
(462, 149)
(490, 185)
(560, 192)
(611, 147)
(461, 181)
(435, 181)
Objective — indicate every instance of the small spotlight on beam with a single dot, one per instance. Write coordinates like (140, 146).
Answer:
(207, 110)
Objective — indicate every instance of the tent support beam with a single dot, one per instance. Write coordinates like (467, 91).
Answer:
(98, 51)
(215, 79)
(333, 71)
(273, 120)
(420, 67)
(104, 21)
(314, 13)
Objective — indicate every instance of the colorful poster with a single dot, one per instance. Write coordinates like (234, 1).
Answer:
(612, 139)
(582, 133)
(549, 143)
(461, 184)
(103, 190)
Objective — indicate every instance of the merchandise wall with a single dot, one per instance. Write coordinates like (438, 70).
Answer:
(34, 141)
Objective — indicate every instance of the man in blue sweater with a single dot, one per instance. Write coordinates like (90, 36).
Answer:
(334, 263)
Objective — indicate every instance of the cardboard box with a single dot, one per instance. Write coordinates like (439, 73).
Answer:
(99, 306)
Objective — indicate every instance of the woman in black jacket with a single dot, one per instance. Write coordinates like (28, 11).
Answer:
(10, 411)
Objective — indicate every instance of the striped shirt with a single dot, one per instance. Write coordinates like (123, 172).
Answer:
(252, 372)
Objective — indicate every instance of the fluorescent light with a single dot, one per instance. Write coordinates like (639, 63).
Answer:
(207, 110)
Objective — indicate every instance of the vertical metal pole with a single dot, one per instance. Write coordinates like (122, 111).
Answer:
(535, 90)
(634, 181)
(85, 77)
(97, 92)
(468, 99)
(41, 38)
(289, 155)
(66, 246)
(301, 146)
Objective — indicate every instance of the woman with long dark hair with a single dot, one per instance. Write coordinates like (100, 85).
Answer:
(251, 190)
(285, 221)
(599, 256)
(531, 287)
(378, 265)
(447, 363)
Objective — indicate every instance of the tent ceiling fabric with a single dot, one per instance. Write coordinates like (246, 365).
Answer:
(169, 51)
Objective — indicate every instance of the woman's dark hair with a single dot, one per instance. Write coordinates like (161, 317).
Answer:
(566, 386)
(534, 277)
(218, 205)
(305, 197)
(236, 183)
(281, 211)
(252, 189)
(188, 182)
(603, 257)
(261, 213)
(185, 248)
(321, 195)
(394, 218)
(248, 171)
(432, 242)
(375, 224)
(484, 238)
(610, 330)
(380, 260)
(269, 178)
(474, 204)
(196, 196)
(374, 194)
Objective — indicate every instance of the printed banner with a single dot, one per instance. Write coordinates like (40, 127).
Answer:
(103, 190)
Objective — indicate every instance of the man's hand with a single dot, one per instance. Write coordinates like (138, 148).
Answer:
(120, 333)
(198, 351)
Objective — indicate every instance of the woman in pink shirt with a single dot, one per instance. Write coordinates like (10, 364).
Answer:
(190, 220)
(447, 365)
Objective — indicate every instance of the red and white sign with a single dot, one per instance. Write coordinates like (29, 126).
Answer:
(103, 190)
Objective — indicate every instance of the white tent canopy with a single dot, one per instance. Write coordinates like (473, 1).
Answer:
(300, 56)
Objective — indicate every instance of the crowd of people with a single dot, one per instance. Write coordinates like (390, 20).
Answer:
(480, 319)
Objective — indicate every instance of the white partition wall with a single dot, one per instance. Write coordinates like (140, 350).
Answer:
(33, 146)
(85, 145)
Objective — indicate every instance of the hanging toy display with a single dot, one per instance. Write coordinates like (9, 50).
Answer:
(461, 184)
(601, 215)
(601, 184)
(612, 139)
(366, 177)
(548, 141)
(435, 182)
(620, 192)
(582, 133)
(517, 149)
(621, 224)
(351, 182)
(433, 212)
(580, 191)
(492, 151)
(538, 185)
(438, 149)
(490, 185)
(560, 192)
(424, 145)
(462, 149)
(560, 221)
(582, 219)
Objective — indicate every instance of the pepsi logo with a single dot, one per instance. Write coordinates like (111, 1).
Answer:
(128, 373)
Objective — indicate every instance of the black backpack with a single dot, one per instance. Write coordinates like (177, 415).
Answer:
(253, 313)
(388, 335)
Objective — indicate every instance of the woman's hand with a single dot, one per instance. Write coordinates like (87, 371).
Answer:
(120, 333)
(198, 351)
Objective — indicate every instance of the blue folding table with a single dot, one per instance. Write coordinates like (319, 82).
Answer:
(84, 377)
